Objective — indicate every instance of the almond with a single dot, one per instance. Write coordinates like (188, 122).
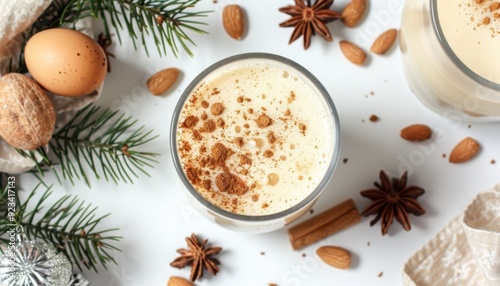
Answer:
(352, 52)
(353, 13)
(27, 116)
(464, 150)
(178, 281)
(416, 132)
(335, 256)
(384, 42)
(163, 80)
(233, 20)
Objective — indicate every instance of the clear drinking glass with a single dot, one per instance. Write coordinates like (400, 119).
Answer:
(457, 83)
(272, 221)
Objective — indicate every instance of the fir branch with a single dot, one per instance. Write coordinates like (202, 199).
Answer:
(167, 21)
(100, 142)
(71, 225)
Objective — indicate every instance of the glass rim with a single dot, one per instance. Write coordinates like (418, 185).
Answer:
(333, 116)
(451, 54)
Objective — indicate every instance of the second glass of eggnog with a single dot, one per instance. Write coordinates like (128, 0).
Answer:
(255, 139)
(450, 56)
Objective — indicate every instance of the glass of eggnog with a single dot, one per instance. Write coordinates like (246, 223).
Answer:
(450, 56)
(255, 139)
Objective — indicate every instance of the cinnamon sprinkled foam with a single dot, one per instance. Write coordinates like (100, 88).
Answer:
(271, 144)
(472, 30)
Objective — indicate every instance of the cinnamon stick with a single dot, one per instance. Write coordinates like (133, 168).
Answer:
(324, 224)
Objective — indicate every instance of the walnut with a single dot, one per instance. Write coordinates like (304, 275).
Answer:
(27, 116)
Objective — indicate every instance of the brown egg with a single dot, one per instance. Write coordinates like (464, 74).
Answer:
(65, 62)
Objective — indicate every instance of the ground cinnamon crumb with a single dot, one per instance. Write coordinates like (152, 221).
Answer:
(264, 121)
(193, 99)
(192, 174)
(197, 136)
(215, 91)
(303, 255)
(219, 153)
(492, 161)
(292, 97)
(444, 155)
(268, 153)
(203, 162)
(494, 6)
(217, 108)
(209, 126)
(221, 123)
(207, 184)
(374, 118)
(239, 141)
(245, 160)
(190, 121)
(240, 99)
(271, 138)
(230, 183)
(302, 128)
(185, 146)
(380, 274)
(486, 20)
(204, 104)
(204, 116)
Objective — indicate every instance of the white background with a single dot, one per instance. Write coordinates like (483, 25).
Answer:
(154, 215)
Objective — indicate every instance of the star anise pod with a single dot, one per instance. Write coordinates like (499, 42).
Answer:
(198, 257)
(308, 20)
(393, 199)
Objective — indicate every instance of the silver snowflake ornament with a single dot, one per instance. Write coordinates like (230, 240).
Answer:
(34, 263)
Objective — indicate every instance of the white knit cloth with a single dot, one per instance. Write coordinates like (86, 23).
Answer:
(465, 252)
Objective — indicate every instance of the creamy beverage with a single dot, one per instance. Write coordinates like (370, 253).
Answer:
(472, 30)
(255, 137)
(450, 56)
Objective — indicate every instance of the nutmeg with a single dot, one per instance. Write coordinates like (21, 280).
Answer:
(27, 115)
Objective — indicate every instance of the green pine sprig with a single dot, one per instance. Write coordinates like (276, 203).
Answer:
(71, 225)
(167, 21)
(96, 141)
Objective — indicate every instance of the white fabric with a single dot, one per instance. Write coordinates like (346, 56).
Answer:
(465, 252)
(16, 16)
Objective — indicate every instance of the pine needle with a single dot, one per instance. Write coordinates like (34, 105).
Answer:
(98, 142)
(70, 224)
